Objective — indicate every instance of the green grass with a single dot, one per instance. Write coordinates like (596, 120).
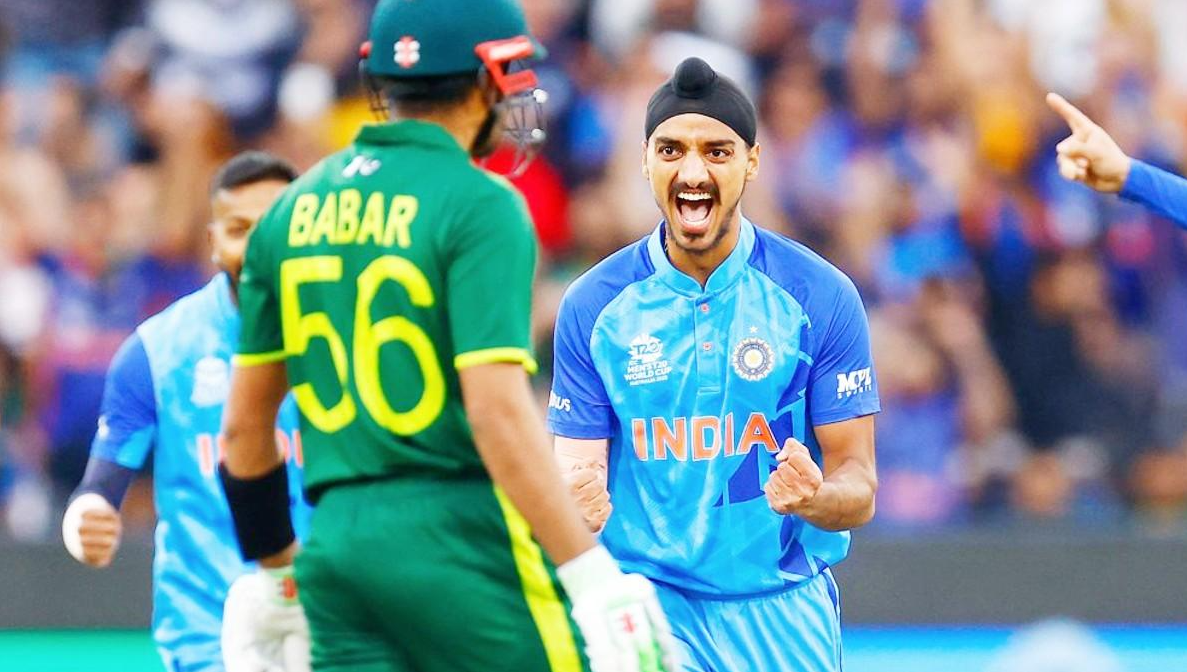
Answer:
(78, 651)
(867, 649)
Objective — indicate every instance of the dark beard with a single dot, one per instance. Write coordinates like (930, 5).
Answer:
(485, 143)
(721, 234)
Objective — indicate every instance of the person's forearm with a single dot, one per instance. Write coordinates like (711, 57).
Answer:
(281, 559)
(250, 449)
(1164, 193)
(253, 473)
(107, 479)
(845, 499)
(514, 448)
(575, 452)
(251, 453)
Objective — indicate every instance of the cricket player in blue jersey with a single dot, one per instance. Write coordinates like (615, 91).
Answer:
(164, 393)
(713, 399)
(1090, 156)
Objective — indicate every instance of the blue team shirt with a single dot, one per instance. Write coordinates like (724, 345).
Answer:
(165, 393)
(1164, 193)
(697, 389)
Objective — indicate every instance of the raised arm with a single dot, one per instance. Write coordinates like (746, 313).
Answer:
(1090, 156)
(1164, 193)
(839, 497)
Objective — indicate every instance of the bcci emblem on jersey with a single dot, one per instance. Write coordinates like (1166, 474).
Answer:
(212, 382)
(647, 363)
(753, 359)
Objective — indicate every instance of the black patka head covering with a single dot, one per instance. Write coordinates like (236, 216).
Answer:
(697, 89)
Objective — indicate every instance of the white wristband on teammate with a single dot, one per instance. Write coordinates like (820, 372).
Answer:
(264, 627)
(619, 615)
(72, 521)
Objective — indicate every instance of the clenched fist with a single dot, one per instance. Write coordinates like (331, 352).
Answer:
(91, 530)
(794, 483)
(587, 486)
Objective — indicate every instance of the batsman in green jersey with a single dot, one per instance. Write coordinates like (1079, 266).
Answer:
(390, 289)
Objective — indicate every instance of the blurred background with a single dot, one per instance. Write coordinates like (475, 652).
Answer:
(1028, 334)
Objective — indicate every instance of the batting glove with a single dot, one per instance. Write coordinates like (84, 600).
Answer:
(264, 626)
(619, 615)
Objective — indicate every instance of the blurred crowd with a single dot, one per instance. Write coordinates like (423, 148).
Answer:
(1028, 334)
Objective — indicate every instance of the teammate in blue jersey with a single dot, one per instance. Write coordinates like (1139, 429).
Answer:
(713, 387)
(164, 393)
(1090, 156)
(713, 399)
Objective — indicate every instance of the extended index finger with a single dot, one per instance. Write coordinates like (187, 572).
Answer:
(1076, 120)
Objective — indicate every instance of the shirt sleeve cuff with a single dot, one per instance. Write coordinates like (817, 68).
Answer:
(848, 413)
(571, 430)
(1139, 181)
(256, 359)
(495, 355)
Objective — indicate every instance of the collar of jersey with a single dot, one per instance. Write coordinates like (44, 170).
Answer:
(725, 274)
(409, 131)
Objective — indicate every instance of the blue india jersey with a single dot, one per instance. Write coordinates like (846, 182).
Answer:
(165, 393)
(696, 390)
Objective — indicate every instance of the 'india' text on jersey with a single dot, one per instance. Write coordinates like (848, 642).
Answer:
(697, 389)
(165, 393)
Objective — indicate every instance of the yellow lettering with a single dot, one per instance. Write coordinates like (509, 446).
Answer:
(399, 221)
(350, 201)
(326, 222)
(302, 219)
(372, 227)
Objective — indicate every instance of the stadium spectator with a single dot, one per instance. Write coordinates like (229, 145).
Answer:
(906, 141)
(947, 402)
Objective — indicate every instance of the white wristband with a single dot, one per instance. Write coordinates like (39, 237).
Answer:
(72, 520)
(587, 572)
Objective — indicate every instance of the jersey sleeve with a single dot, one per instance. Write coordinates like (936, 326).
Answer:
(260, 338)
(578, 406)
(491, 262)
(1162, 192)
(128, 415)
(842, 383)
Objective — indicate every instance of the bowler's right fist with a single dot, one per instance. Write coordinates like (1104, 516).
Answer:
(91, 530)
(587, 486)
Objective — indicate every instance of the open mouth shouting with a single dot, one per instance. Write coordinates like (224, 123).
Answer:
(694, 210)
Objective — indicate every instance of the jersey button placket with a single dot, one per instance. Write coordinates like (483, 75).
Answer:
(708, 376)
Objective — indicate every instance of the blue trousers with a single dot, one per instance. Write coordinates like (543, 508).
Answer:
(798, 630)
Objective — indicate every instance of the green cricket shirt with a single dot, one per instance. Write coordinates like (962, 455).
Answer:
(375, 277)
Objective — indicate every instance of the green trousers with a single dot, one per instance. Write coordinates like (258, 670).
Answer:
(431, 575)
